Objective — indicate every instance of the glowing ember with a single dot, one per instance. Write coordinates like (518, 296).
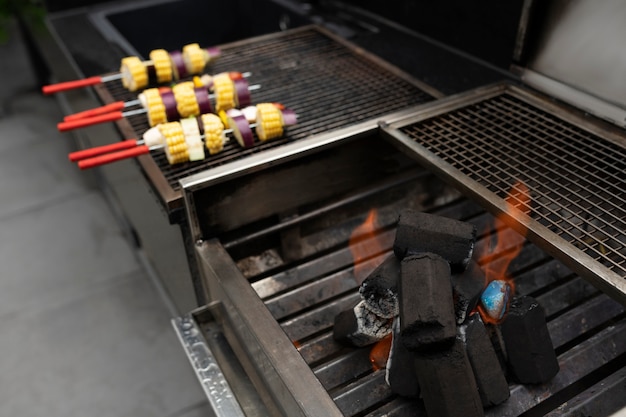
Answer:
(496, 261)
(380, 353)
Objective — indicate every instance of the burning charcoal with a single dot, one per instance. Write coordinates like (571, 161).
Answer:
(529, 349)
(360, 327)
(467, 287)
(423, 232)
(380, 289)
(426, 305)
(495, 299)
(400, 374)
(447, 383)
(490, 379)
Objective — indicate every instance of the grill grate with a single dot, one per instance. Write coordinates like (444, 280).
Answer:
(327, 83)
(576, 178)
(585, 325)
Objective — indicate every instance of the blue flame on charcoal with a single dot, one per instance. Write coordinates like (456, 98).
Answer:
(495, 298)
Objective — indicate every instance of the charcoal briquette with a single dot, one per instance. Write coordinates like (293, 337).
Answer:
(467, 287)
(358, 326)
(447, 383)
(423, 232)
(493, 387)
(400, 373)
(529, 350)
(425, 299)
(380, 289)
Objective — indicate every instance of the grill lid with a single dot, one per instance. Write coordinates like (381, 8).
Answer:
(486, 140)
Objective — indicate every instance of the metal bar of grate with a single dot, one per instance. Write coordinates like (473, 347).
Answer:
(305, 296)
(488, 141)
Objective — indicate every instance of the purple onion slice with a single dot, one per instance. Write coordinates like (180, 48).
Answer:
(202, 97)
(214, 52)
(178, 65)
(169, 101)
(290, 117)
(241, 129)
(243, 92)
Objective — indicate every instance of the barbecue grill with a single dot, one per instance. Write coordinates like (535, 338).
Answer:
(269, 231)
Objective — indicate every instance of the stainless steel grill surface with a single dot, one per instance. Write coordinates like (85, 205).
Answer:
(329, 83)
(575, 170)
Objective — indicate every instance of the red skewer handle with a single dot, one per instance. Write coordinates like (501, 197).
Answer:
(100, 150)
(88, 121)
(118, 105)
(71, 85)
(112, 157)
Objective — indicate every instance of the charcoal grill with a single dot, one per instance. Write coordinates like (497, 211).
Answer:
(275, 306)
(268, 227)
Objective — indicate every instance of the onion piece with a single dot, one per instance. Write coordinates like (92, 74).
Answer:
(242, 92)
(178, 64)
(290, 117)
(202, 97)
(241, 129)
(250, 113)
(169, 101)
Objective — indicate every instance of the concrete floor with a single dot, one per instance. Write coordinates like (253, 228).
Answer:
(83, 329)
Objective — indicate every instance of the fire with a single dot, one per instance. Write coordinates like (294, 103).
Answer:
(364, 244)
(495, 262)
(380, 353)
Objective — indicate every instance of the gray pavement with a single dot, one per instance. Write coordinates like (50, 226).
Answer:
(83, 330)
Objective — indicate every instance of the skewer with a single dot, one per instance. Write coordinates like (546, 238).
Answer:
(162, 67)
(182, 141)
(206, 81)
(168, 105)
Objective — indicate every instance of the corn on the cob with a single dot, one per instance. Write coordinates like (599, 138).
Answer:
(195, 58)
(214, 136)
(186, 102)
(191, 130)
(224, 89)
(134, 73)
(155, 106)
(162, 66)
(176, 149)
(269, 121)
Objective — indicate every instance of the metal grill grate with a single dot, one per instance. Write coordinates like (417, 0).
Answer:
(329, 84)
(576, 178)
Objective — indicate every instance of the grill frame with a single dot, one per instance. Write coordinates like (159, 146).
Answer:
(442, 162)
(262, 319)
(257, 55)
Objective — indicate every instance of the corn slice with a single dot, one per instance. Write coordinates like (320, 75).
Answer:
(134, 73)
(269, 121)
(155, 107)
(224, 89)
(163, 68)
(214, 136)
(176, 149)
(195, 58)
(186, 102)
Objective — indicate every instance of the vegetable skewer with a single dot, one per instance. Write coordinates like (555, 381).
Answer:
(162, 67)
(167, 105)
(183, 141)
(203, 81)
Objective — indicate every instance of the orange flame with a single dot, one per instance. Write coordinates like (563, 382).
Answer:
(364, 244)
(495, 262)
